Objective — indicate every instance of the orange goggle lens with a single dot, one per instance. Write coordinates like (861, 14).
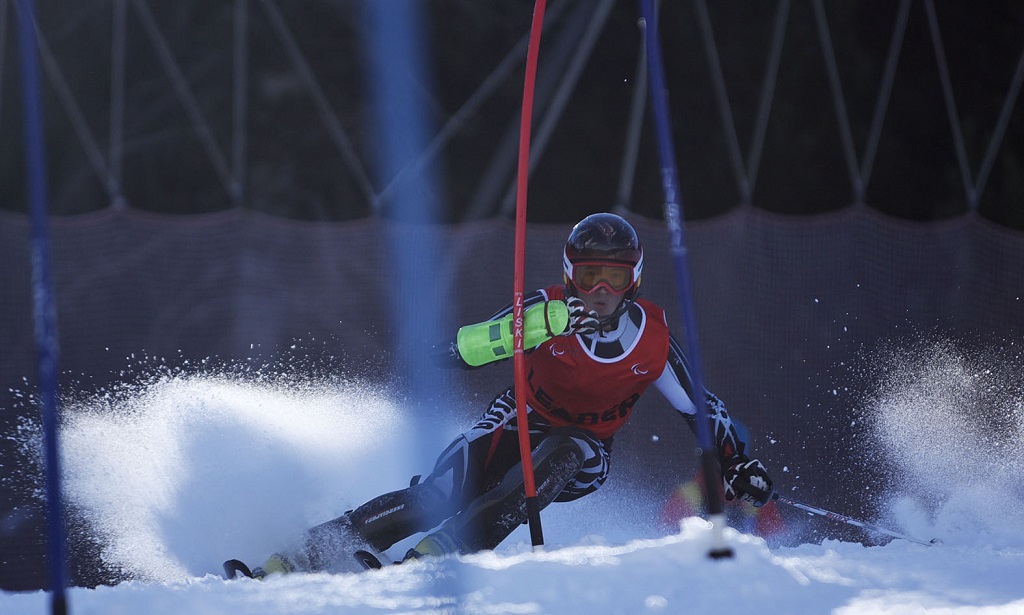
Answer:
(588, 276)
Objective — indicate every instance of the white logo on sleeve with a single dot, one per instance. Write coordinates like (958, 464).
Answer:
(638, 369)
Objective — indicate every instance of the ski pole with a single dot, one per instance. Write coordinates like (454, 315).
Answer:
(850, 520)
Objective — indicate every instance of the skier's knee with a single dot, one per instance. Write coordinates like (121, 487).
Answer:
(567, 441)
(591, 471)
(557, 460)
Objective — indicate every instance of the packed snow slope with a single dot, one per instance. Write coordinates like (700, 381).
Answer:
(190, 470)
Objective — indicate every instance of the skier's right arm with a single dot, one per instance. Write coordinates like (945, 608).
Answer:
(447, 354)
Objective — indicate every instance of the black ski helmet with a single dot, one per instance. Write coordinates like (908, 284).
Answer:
(604, 237)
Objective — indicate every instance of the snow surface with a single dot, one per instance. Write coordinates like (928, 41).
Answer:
(153, 472)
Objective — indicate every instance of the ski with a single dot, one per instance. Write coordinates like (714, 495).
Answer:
(363, 560)
(334, 546)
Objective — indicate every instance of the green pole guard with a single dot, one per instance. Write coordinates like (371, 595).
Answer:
(491, 340)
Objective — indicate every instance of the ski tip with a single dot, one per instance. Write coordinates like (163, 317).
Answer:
(368, 560)
(935, 541)
(234, 567)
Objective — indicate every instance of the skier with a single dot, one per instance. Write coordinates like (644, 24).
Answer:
(582, 385)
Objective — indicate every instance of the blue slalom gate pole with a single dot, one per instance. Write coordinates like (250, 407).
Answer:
(43, 301)
(677, 240)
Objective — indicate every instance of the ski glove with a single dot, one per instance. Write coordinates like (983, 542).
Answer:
(581, 322)
(748, 480)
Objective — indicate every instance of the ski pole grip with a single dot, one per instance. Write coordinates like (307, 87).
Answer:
(491, 340)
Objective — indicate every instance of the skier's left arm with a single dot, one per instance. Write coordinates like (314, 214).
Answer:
(743, 477)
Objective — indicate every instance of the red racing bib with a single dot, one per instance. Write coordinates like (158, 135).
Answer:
(569, 385)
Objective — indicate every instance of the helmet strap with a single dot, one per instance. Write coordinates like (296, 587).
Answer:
(611, 321)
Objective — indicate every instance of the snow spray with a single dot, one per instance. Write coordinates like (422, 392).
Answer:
(172, 476)
(950, 423)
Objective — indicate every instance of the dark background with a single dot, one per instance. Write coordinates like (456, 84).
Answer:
(291, 167)
(135, 283)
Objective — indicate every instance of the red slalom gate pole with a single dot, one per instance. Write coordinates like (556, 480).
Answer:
(518, 355)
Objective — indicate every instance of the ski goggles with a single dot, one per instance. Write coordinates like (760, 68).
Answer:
(615, 277)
